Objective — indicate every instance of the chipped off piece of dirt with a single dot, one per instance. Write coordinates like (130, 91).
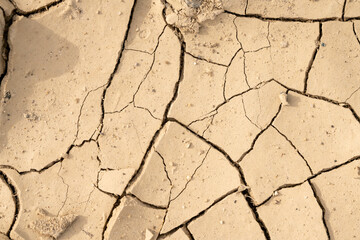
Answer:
(179, 119)
(187, 15)
(49, 226)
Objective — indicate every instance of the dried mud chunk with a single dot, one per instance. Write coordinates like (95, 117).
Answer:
(186, 154)
(336, 63)
(56, 54)
(133, 68)
(283, 58)
(352, 8)
(45, 190)
(51, 226)
(114, 181)
(152, 186)
(131, 219)
(296, 9)
(231, 218)
(90, 115)
(216, 40)
(293, 214)
(354, 98)
(146, 25)
(63, 189)
(8, 7)
(212, 180)
(158, 87)
(279, 166)
(252, 33)
(125, 137)
(2, 28)
(31, 5)
(179, 234)
(3, 236)
(7, 207)
(321, 129)
(238, 6)
(235, 77)
(189, 14)
(262, 104)
(200, 91)
(338, 191)
(292, 46)
(235, 138)
(253, 60)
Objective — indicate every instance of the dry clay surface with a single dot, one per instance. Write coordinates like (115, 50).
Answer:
(180, 119)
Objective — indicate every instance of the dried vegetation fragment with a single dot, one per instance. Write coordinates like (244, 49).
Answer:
(7, 207)
(335, 73)
(322, 129)
(65, 189)
(316, 9)
(132, 219)
(279, 166)
(338, 191)
(231, 218)
(188, 15)
(56, 54)
(294, 214)
(146, 26)
(215, 178)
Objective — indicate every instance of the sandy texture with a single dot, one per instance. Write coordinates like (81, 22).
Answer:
(179, 119)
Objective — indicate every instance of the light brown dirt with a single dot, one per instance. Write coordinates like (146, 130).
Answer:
(179, 119)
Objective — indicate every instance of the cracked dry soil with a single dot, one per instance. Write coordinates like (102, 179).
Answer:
(180, 119)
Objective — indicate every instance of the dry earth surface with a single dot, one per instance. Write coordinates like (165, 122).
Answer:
(180, 119)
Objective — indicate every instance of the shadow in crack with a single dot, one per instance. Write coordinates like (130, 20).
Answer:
(37, 54)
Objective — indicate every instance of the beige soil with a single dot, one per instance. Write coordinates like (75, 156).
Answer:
(180, 119)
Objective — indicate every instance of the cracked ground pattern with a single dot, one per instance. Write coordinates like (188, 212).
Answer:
(180, 119)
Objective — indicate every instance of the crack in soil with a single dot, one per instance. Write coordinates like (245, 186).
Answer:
(198, 215)
(294, 147)
(192, 176)
(258, 135)
(321, 205)
(325, 170)
(343, 11)
(310, 65)
(36, 11)
(15, 198)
